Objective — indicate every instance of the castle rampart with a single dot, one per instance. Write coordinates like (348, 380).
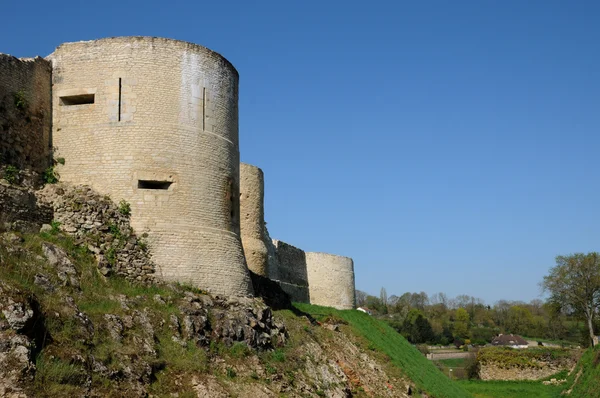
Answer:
(25, 112)
(155, 122)
(331, 280)
(252, 218)
(290, 271)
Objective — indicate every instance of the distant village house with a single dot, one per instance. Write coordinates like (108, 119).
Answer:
(510, 340)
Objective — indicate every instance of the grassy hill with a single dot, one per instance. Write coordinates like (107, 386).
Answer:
(383, 338)
(73, 332)
(585, 378)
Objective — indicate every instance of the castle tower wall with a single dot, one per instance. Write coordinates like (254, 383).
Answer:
(331, 280)
(155, 122)
(290, 271)
(25, 112)
(252, 218)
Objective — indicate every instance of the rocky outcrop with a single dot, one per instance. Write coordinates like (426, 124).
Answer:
(17, 341)
(137, 324)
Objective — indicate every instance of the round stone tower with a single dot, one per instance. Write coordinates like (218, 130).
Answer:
(331, 280)
(252, 218)
(154, 122)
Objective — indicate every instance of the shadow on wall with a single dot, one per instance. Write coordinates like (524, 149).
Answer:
(291, 273)
(275, 297)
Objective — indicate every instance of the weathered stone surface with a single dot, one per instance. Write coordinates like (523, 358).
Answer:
(58, 258)
(20, 209)
(164, 128)
(290, 271)
(252, 219)
(331, 280)
(25, 112)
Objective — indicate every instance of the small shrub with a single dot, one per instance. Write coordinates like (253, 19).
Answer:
(423, 349)
(239, 350)
(55, 227)
(60, 161)
(278, 356)
(20, 100)
(231, 373)
(11, 174)
(50, 176)
(111, 256)
(143, 244)
(124, 207)
(115, 231)
(472, 368)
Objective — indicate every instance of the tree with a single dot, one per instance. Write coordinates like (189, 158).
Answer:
(416, 328)
(461, 323)
(574, 283)
(383, 297)
(519, 319)
(361, 298)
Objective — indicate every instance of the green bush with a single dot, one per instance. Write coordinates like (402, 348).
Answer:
(50, 176)
(55, 227)
(11, 174)
(20, 100)
(124, 207)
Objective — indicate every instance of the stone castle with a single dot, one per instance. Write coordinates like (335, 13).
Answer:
(154, 122)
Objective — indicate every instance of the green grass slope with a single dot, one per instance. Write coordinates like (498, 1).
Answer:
(511, 389)
(401, 353)
(585, 378)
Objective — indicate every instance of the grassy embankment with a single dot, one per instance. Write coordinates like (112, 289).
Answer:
(585, 378)
(513, 389)
(401, 353)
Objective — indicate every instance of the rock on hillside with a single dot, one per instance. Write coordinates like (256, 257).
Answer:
(81, 315)
(66, 329)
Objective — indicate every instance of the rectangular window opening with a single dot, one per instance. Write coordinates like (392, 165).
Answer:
(153, 184)
(80, 99)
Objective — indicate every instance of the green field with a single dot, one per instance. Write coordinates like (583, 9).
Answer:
(384, 338)
(510, 389)
(452, 362)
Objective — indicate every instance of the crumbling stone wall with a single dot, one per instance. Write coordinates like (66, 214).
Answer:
(155, 122)
(291, 272)
(331, 280)
(103, 226)
(252, 218)
(25, 112)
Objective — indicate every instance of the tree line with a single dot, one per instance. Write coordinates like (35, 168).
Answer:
(569, 314)
(439, 319)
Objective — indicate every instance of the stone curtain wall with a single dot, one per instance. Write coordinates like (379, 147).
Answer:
(291, 273)
(252, 218)
(331, 280)
(155, 122)
(25, 112)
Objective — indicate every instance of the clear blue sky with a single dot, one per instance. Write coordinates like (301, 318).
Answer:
(445, 146)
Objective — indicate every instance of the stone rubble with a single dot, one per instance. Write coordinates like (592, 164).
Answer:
(101, 225)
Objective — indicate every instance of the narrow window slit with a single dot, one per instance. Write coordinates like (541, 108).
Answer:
(153, 184)
(120, 99)
(203, 108)
(81, 99)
